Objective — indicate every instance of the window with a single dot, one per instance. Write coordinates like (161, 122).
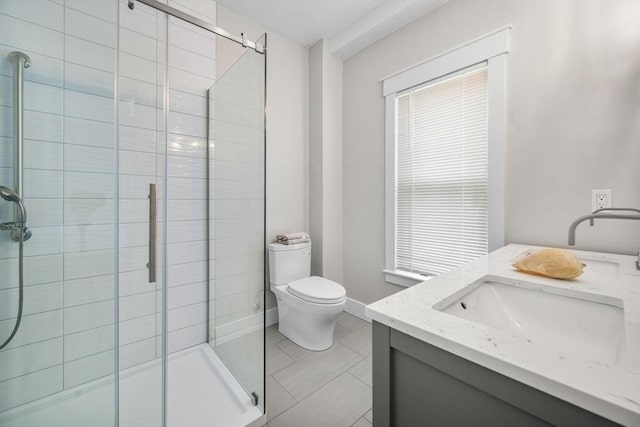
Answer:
(445, 161)
(441, 174)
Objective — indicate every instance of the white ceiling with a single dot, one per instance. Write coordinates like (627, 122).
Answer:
(348, 25)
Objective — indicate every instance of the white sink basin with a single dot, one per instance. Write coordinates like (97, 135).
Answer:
(569, 323)
(600, 264)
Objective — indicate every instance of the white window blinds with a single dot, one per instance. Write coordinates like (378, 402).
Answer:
(441, 174)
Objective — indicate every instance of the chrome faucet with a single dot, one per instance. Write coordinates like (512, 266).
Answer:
(598, 214)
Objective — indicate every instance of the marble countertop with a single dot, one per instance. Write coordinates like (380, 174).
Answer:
(610, 391)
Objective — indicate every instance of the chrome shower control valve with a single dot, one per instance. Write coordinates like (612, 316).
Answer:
(18, 228)
(7, 226)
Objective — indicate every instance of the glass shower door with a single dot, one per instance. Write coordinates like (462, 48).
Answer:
(92, 313)
(142, 89)
(236, 215)
(104, 112)
(59, 368)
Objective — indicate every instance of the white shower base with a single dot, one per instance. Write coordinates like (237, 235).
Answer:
(202, 392)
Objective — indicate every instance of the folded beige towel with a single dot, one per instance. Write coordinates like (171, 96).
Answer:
(293, 238)
(294, 241)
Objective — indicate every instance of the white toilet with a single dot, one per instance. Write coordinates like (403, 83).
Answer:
(308, 306)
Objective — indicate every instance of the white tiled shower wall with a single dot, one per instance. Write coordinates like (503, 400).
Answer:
(237, 201)
(67, 334)
(192, 70)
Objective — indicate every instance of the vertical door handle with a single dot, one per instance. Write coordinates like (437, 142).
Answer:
(153, 232)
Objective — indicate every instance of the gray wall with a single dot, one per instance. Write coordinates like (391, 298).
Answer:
(325, 161)
(572, 125)
(315, 155)
(332, 227)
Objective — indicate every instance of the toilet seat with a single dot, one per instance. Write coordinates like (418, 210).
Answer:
(317, 290)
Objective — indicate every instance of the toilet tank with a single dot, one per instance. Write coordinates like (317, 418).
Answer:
(289, 262)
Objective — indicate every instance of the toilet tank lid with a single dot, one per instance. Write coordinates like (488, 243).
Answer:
(275, 247)
(318, 289)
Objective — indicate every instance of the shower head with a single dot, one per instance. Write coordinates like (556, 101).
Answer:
(8, 194)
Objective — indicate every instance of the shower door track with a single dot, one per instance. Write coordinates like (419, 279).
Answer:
(242, 39)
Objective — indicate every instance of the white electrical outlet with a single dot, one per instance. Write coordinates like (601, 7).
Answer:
(600, 199)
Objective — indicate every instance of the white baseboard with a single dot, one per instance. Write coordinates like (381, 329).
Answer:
(356, 308)
(238, 328)
(271, 316)
(352, 306)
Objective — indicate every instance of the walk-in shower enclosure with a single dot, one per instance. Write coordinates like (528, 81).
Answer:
(133, 134)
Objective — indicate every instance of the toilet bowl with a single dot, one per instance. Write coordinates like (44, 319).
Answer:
(308, 306)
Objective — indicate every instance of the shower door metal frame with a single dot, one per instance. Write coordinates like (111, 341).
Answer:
(264, 235)
(241, 39)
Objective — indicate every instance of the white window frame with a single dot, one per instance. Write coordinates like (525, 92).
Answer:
(490, 49)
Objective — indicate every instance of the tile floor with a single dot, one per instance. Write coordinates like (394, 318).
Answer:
(330, 388)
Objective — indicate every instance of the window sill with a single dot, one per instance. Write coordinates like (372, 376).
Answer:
(403, 278)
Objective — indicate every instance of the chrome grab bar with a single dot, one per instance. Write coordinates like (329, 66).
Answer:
(153, 232)
(20, 62)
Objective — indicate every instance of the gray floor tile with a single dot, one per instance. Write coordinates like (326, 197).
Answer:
(369, 416)
(273, 335)
(359, 341)
(361, 423)
(309, 374)
(363, 371)
(278, 400)
(294, 351)
(340, 331)
(351, 322)
(276, 359)
(341, 402)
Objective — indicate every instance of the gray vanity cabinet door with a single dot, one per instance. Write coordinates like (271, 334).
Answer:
(418, 385)
(424, 396)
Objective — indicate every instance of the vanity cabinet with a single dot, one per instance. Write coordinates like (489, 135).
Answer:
(416, 384)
